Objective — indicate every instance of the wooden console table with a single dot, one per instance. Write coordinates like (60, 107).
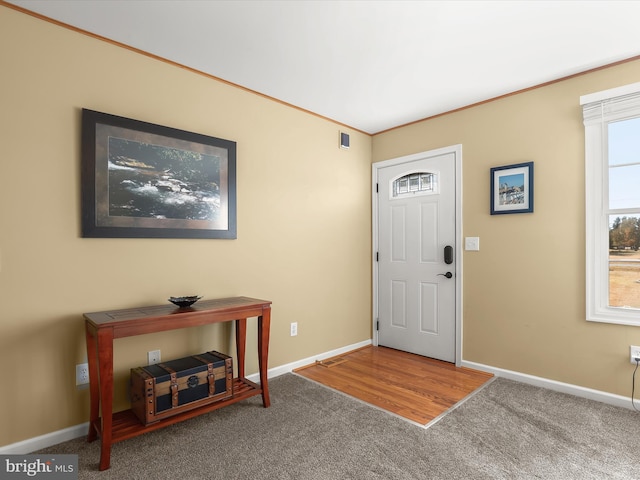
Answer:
(103, 327)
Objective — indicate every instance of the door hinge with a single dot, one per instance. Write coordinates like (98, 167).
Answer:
(377, 324)
(377, 188)
(377, 256)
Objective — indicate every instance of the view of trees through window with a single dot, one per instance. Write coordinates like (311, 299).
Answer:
(623, 156)
(624, 261)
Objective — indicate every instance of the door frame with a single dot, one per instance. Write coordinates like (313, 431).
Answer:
(457, 151)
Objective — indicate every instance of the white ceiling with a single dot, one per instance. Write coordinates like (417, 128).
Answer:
(371, 65)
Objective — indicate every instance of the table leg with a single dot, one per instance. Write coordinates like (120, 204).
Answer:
(94, 385)
(241, 344)
(105, 366)
(264, 325)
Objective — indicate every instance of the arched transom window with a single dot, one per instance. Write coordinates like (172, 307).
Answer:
(416, 183)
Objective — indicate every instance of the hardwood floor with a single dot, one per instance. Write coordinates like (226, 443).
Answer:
(412, 386)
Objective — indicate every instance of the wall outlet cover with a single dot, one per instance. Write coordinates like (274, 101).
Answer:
(82, 374)
(634, 352)
(153, 357)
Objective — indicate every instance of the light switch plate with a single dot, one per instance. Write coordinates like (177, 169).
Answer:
(472, 243)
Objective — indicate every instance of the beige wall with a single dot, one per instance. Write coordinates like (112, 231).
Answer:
(304, 227)
(524, 291)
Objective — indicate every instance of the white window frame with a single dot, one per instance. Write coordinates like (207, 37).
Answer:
(599, 109)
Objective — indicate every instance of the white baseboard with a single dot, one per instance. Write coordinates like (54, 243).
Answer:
(46, 440)
(597, 395)
(54, 438)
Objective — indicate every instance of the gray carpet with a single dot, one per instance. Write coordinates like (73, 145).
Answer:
(508, 430)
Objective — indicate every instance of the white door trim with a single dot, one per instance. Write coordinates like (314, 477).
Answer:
(457, 151)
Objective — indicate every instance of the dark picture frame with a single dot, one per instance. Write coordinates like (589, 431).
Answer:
(142, 180)
(512, 189)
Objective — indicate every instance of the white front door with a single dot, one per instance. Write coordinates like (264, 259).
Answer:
(416, 254)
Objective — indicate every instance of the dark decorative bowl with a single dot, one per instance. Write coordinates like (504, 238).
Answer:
(184, 302)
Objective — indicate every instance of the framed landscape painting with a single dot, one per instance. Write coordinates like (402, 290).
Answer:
(142, 180)
(512, 189)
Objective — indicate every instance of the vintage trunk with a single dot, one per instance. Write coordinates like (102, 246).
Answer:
(165, 389)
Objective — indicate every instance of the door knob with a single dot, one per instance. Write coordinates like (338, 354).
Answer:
(448, 274)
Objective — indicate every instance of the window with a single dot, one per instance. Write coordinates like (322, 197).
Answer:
(421, 183)
(612, 201)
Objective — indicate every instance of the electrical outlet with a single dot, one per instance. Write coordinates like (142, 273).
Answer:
(634, 352)
(153, 357)
(294, 329)
(82, 374)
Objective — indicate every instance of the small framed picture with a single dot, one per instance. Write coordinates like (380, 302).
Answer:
(512, 189)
